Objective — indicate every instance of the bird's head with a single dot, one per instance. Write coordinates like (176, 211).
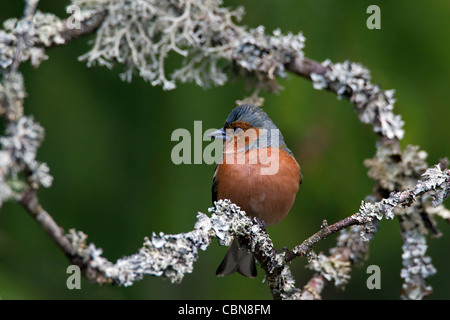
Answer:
(250, 126)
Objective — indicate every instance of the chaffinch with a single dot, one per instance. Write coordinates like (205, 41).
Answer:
(257, 172)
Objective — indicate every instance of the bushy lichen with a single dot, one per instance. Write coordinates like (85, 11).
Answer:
(173, 256)
(332, 268)
(143, 34)
(43, 31)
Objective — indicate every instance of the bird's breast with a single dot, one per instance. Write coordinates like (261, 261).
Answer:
(263, 182)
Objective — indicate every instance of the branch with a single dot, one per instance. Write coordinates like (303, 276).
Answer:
(141, 35)
(22, 31)
(170, 256)
(434, 179)
(88, 25)
(31, 204)
(313, 289)
(28, 38)
(325, 231)
(173, 256)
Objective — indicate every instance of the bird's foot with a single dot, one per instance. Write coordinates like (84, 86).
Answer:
(261, 223)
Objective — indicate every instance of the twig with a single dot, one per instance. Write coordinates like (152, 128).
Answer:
(25, 25)
(87, 27)
(323, 233)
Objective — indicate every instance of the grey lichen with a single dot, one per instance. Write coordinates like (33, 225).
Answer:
(268, 54)
(408, 205)
(399, 171)
(173, 256)
(332, 268)
(355, 239)
(428, 205)
(23, 138)
(438, 210)
(373, 105)
(43, 31)
(166, 256)
(6, 182)
(352, 243)
(230, 222)
(416, 266)
(143, 34)
(396, 170)
(434, 179)
(283, 285)
(19, 148)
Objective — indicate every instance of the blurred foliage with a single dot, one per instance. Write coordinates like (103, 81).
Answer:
(108, 146)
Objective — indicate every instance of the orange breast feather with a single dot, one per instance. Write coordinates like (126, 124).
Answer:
(267, 196)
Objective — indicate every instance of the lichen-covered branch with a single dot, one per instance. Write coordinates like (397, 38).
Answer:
(435, 183)
(141, 35)
(173, 256)
(392, 168)
(306, 246)
(23, 135)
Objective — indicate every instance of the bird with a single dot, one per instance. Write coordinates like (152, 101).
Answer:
(248, 136)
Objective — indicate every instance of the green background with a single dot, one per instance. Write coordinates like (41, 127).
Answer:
(108, 147)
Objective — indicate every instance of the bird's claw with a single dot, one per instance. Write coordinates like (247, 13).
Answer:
(261, 223)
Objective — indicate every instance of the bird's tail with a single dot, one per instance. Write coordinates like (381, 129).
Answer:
(239, 260)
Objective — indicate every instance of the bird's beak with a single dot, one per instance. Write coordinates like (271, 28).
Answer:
(218, 134)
